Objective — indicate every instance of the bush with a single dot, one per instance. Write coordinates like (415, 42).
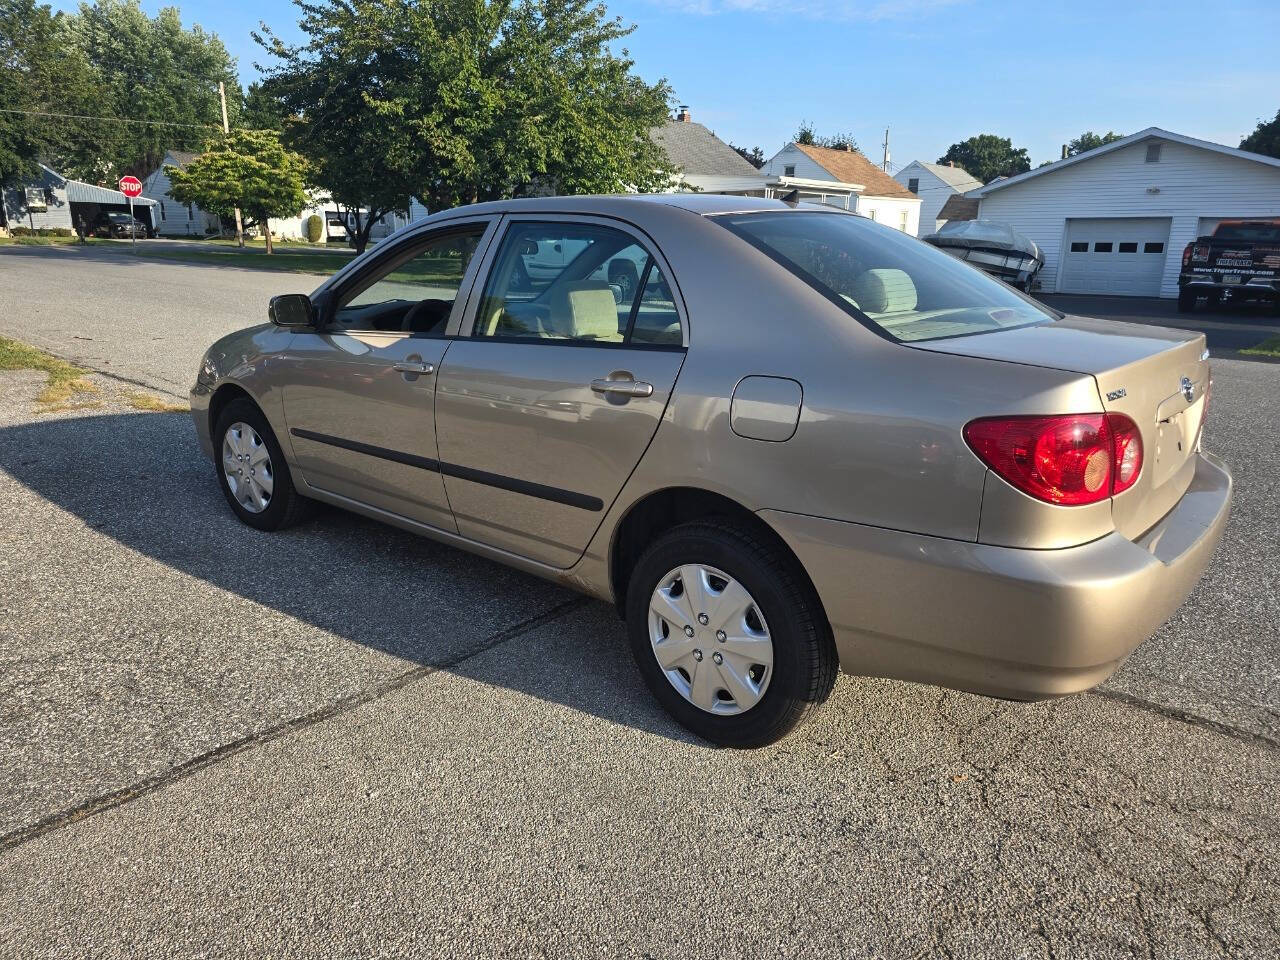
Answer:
(314, 228)
(41, 232)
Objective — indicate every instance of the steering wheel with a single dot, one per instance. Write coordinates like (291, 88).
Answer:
(426, 315)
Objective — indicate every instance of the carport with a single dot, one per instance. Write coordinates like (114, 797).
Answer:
(90, 203)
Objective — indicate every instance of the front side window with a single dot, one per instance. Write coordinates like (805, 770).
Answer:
(414, 290)
(889, 281)
(579, 282)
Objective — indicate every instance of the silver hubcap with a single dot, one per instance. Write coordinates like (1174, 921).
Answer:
(710, 639)
(246, 466)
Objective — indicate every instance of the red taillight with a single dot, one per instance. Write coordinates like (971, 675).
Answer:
(1069, 459)
(1186, 255)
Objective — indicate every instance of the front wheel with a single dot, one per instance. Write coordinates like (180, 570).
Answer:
(252, 471)
(729, 635)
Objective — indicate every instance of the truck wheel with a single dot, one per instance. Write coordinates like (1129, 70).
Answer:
(1186, 300)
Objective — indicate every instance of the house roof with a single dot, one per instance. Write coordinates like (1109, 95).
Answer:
(692, 148)
(959, 207)
(957, 177)
(850, 166)
(1151, 133)
(80, 192)
(181, 157)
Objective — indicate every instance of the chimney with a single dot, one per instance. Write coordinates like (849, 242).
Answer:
(683, 115)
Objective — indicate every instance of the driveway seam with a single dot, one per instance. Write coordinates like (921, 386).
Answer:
(226, 751)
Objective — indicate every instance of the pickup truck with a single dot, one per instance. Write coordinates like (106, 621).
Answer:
(1240, 260)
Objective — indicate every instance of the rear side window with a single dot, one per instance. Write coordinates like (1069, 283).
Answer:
(576, 282)
(891, 282)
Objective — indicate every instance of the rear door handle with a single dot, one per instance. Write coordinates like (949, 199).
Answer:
(407, 366)
(623, 388)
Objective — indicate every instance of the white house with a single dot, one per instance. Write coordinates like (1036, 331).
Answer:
(844, 178)
(1115, 220)
(174, 218)
(934, 184)
(704, 162)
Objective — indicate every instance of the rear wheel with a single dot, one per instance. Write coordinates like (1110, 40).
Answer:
(728, 635)
(1186, 300)
(252, 471)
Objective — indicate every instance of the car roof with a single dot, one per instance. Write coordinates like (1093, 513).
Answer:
(619, 204)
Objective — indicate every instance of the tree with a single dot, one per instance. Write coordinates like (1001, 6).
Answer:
(150, 69)
(754, 156)
(463, 100)
(1091, 141)
(987, 156)
(261, 111)
(838, 141)
(248, 169)
(1265, 138)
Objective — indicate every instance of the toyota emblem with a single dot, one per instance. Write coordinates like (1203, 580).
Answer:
(1188, 389)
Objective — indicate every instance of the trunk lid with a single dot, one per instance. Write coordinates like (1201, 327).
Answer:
(1158, 377)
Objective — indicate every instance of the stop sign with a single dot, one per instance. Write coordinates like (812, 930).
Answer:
(131, 186)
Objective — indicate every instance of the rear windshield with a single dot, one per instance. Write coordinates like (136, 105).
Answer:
(1249, 232)
(889, 281)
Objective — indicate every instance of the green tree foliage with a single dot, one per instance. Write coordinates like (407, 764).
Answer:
(987, 156)
(1265, 138)
(1091, 141)
(463, 100)
(755, 156)
(261, 111)
(315, 228)
(250, 170)
(39, 74)
(150, 69)
(806, 136)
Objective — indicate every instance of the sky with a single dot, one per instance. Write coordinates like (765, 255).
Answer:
(933, 71)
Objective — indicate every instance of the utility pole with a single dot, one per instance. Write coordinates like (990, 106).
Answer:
(885, 166)
(226, 129)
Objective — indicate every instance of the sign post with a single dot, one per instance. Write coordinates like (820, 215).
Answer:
(131, 187)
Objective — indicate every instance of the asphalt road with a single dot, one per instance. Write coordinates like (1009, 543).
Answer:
(346, 741)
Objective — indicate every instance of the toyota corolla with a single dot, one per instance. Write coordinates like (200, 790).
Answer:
(783, 440)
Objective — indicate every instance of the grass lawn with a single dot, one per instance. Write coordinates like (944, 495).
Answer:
(443, 270)
(40, 241)
(1267, 348)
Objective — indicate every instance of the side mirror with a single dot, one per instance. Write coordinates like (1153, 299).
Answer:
(292, 310)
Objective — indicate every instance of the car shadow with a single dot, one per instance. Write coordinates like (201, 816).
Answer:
(141, 480)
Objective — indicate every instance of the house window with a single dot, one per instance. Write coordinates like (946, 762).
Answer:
(1079, 246)
(872, 214)
(914, 184)
(789, 170)
(1128, 248)
(161, 209)
(1153, 248)
(190, 213)
(1102, 247)
(903, 219)
(1153, 153)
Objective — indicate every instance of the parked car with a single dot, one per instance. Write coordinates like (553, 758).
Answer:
(992, 246)
(801, 441)
(1239, 261)
(121, 226)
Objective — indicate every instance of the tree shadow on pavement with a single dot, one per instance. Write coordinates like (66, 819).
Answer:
(141, 480)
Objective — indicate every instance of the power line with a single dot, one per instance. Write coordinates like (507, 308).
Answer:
(163, 123)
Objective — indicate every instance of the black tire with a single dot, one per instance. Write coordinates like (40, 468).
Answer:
(286, 506)
(804, 656)
(1186, 300)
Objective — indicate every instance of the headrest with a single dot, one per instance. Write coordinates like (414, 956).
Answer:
(584, 309)
(884, 290)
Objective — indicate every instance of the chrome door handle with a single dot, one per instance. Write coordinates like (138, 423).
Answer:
(623, 388)
(410, 367)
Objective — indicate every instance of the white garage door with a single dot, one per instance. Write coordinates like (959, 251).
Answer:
(1123, 256)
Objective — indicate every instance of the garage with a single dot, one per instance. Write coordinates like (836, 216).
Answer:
(1120, 256)
(1113, 221)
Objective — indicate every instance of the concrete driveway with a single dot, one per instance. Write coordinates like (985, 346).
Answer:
(1226, 329)
(346, 741)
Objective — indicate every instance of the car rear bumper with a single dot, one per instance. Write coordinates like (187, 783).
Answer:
(1014, 623)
